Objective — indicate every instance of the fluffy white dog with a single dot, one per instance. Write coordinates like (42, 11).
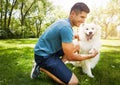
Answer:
(90, 39)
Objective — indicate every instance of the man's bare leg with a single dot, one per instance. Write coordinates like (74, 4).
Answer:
(52, 76)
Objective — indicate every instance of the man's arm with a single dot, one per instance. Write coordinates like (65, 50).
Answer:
(69, 51)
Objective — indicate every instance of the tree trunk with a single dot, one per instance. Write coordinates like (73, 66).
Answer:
(23, 16)
(1, 18)
(5, 19)
(10, 14)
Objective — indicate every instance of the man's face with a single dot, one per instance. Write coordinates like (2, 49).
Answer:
(78, 19)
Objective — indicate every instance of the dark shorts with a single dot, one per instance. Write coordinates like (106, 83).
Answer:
(54, 65)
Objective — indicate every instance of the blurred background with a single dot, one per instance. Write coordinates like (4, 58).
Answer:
(29, 18)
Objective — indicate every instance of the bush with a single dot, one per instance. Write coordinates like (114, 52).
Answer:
(3, 34)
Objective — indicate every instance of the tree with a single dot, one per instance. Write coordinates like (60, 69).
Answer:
(11, 10)
(43, 8)
(7, 7)
(107, 17)
(26, 18)
(25, 7)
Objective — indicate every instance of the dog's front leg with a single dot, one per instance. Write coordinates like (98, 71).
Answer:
(87, 68)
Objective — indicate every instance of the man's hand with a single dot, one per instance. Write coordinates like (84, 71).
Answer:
(93, 52)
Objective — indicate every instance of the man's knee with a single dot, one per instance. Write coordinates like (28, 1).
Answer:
(73, 80)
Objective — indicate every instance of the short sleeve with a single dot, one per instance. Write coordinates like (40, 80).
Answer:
(66, 34)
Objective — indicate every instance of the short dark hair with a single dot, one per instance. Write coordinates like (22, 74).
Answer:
(79, 7)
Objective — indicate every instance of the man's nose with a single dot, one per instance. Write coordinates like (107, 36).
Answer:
(83, 20)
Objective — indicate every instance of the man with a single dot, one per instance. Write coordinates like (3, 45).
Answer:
(57, 41)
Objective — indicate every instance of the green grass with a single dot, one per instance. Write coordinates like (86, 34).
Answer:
(16, 59)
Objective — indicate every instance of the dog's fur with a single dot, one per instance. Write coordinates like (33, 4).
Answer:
(90, 38)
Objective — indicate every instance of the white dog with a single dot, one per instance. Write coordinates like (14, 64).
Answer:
(90, 39)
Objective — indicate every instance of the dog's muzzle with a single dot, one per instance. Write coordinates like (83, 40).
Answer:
(89, 36)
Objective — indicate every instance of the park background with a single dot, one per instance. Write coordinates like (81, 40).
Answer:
(23, 21)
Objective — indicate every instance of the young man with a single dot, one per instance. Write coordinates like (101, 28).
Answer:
(57, 41)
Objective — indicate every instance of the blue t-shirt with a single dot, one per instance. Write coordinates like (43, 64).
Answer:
(51, 41)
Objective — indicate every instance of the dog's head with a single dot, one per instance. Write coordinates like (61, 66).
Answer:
(90, 30)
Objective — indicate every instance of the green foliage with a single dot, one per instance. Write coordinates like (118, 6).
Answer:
(3, 34)
(16, 60)
(26, 19)
(36, 15)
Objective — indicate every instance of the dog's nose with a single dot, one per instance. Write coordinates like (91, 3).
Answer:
(90, 32)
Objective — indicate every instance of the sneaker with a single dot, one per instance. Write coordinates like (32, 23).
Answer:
(35, 71)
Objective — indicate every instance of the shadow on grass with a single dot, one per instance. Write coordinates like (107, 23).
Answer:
(16, 65)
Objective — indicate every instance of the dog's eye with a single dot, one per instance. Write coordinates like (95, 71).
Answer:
(86, 28)
(92, 28)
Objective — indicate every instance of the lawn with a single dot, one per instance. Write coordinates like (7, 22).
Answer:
(16, 59)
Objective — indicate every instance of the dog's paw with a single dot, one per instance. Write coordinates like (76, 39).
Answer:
(91, 51)
(90, 75)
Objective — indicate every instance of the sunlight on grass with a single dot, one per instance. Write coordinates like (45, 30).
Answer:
(24, 45)
(19, 44)
(111, 42)
(117, 61)
(110, 45)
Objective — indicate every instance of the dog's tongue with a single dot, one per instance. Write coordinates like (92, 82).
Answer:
(89, 37)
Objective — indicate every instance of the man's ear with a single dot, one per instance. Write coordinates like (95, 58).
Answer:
(73, 13)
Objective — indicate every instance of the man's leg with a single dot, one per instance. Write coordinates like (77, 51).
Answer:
(55, 66)
(52, 76)
(73, 80)
(35, 71)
